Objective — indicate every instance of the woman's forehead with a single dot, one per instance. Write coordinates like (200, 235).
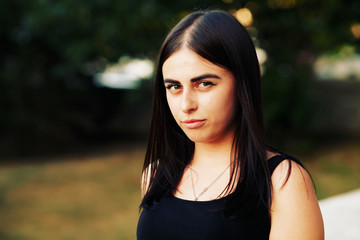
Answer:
(185, 61)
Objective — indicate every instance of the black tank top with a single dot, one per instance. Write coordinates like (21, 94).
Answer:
(178, 219)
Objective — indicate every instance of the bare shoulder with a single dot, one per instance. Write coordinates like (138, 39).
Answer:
(292, 172)
(295, 212)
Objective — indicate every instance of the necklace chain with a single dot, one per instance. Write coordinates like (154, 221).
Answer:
(206, 188)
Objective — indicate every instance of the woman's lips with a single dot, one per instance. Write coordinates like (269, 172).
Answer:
(193, 123)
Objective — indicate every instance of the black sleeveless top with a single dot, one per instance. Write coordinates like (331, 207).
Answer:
(178, 219)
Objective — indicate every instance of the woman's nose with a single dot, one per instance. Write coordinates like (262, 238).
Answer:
(188, 102)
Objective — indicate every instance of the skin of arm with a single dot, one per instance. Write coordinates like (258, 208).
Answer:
(295, 212)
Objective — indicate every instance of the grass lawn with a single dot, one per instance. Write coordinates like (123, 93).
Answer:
(335, 168)
(96, 195)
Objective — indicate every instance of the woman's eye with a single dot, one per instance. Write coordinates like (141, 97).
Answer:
(206, 84)
(173, 87)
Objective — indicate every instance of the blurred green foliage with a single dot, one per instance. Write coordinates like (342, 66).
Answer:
(51, 49)
(293, 38)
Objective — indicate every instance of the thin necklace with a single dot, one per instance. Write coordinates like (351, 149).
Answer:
(206, 188)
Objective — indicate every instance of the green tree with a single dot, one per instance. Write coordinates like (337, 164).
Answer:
(51, 50)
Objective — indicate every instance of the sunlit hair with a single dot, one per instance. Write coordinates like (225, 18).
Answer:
(218, 37)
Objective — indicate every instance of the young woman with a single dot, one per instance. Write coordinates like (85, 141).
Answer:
(208, 173)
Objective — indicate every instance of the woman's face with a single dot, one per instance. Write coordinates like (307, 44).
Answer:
(201, 96)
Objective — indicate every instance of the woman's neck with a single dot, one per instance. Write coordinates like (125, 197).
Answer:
(212, 154)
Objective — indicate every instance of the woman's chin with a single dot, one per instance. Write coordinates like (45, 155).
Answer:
(200, 138)
(196, 137)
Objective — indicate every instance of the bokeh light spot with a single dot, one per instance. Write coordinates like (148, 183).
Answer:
(244, 16)
(355, 30)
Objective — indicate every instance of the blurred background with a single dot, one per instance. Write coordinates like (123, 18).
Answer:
(76, 95)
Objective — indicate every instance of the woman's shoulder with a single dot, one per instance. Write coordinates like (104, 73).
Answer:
(278, 159)
(294, 203)
(289, 171)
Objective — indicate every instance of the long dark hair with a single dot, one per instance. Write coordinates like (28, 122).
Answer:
(218, 37)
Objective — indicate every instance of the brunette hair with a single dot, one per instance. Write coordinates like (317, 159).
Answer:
(218, 37)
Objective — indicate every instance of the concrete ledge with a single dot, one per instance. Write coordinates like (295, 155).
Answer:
(341, 215)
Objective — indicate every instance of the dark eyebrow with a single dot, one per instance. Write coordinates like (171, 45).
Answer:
(171, 81)
(195, 79)
(199, 78)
